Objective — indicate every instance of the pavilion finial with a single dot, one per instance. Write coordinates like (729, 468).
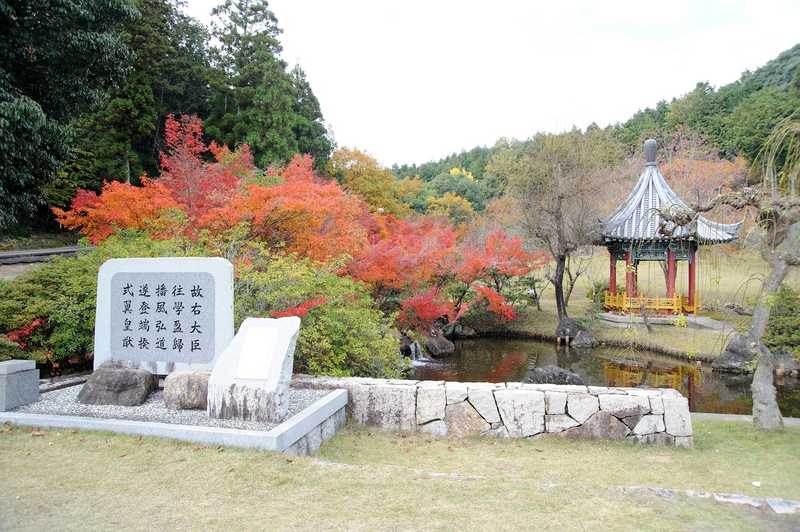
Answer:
(650, 152)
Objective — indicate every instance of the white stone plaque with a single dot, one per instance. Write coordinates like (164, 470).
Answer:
(164, 314)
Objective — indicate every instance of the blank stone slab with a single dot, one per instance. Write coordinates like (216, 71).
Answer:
(251, 378)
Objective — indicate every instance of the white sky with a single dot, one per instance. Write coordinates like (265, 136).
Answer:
(417, 80)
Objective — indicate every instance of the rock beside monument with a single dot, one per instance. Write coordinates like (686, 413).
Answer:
(114, 384)
(186, 390)
(439, 346)
(552, 375)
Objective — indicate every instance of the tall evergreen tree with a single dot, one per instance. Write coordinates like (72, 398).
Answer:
(258, 102)
(169, 75)
(58, 58)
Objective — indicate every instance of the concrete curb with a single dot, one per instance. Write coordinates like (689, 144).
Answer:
(278, 438)
(739, 418)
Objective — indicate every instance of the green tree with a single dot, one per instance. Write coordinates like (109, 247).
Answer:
(556, 179)
(170, 75)
(257, 101)
(58, 59)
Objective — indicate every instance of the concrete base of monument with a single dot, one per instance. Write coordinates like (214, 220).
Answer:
(312, 419)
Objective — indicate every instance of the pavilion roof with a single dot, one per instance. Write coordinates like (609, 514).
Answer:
(638, 217)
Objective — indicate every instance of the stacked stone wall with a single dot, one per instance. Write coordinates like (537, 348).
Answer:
(515, 410)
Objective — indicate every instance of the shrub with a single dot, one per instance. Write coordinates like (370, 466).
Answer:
(783, 329)
(48, 313)
(341, 334)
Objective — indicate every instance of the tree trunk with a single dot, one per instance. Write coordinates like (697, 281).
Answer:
(558, 287)
(766, 414)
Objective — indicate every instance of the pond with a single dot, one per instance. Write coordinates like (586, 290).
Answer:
(499, 360)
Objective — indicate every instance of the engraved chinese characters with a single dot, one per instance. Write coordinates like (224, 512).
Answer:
(162, 316)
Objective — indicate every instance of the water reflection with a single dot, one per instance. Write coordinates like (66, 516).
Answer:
(498, 360)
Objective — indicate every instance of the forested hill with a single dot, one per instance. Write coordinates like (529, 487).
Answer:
(735, 119)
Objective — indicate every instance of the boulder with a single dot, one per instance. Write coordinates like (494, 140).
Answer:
(439, 346)
(462, 420)
(601, 426)
(584, 340)
(457, 330)
(114, 384)
(552, 375)
(568, 327)
(559, 422)
(737, 357)
(409, 348)
(186, 390)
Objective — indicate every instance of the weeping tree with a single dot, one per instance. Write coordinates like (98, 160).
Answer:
(776, 203)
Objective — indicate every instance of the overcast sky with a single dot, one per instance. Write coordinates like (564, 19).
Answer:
(415, 80)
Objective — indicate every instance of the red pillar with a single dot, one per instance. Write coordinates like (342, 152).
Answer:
(630, 284)
(612, 274)
(692, 274)
(672, 269)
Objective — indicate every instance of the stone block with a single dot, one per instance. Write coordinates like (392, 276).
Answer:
(497, 432)
(656, 405)
(677, 419)
(659, 438)
(559, 422)
(436, 428)
(601, 426)
(314, 439)
(482, 399)
(624, 405)
(463, 420)
(390, 407)
(456, 392)
(251, 378)
(19, 383)
(649, 424)
(687, 442)
(522, 411)
(555, 402)
(186, 390)
(430, 402)
(582, 406)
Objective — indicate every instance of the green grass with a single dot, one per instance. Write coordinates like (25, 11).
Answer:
(364, 480)
(723, 277)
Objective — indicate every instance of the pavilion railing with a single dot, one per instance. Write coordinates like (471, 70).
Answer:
(659, 305)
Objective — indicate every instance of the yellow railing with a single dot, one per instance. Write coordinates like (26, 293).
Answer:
(660, 305)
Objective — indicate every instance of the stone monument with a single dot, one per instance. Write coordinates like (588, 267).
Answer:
(163, 314)
(251, 378)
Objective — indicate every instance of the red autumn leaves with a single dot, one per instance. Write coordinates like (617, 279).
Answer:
(432, 268)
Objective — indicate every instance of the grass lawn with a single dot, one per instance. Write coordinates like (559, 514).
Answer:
(364, 480)
(723, 277)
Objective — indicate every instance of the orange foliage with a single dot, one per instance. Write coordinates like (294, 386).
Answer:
(119, 206)
(414, 252)
(313, 217)
(196, 184)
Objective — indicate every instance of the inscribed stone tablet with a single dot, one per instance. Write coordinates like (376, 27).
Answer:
(164, 314)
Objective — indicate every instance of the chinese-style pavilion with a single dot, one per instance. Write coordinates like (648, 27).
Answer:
(636, 232)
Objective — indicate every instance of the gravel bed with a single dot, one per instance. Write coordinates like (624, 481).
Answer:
(64, 402)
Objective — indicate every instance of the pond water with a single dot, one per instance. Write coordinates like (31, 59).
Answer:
(499, 360)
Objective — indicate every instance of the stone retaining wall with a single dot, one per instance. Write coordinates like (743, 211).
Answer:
(516, 410)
